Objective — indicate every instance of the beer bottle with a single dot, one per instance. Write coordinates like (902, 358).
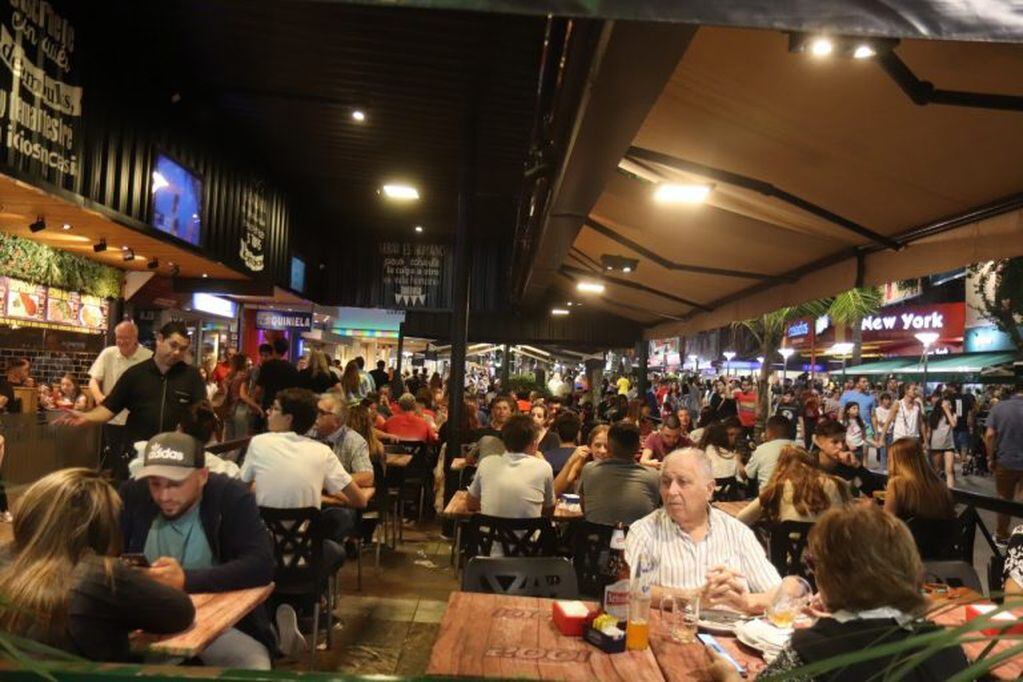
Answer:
(616, 577)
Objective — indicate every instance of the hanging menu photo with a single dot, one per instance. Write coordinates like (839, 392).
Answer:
(35, 305)
(62, 306)
(25, 301)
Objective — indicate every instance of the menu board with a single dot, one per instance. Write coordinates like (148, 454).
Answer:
(40, 306)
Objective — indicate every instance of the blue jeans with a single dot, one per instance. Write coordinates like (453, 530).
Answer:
(882, 453)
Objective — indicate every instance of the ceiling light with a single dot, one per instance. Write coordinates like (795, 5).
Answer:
(670, 193)
(419, 229)
(608, 268)
(863, 52)
(100, 246)
(626, 269)
(401, 192)
(590, 287)
(204, 275)
(153, 263)
(38, 226)
(127, 254)
(358, 115)
(569, 304)
(821, 47)
(66, 226)
(559, 312)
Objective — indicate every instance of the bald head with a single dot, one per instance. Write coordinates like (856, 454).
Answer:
(126, 337)
(687, 487)
(694, 459)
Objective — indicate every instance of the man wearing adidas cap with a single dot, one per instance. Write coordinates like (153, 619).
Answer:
(201, 532)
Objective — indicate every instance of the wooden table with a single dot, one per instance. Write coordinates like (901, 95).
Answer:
(399, 461)
(951, 612)
(732, 508)
(215, 614)
(339, 500)
(691, 661)
(489, 635)
(458, 509)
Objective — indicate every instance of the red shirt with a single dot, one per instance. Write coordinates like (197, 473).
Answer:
(410, 426)
(524, 405)
(747, 406)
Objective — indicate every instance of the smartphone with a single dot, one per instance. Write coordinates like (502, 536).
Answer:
(135, 560)
(712, 644)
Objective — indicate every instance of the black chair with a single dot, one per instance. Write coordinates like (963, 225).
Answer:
(787, 544)
(727, 489)
(515, 537)
(551, 577)
(953, 574)
(301, 574)
(945, 539)
(590, 544)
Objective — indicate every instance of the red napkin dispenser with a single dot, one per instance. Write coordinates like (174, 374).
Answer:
(1001, 622)
(569, 617)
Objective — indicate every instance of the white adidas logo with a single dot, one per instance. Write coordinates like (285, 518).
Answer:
(164, 453)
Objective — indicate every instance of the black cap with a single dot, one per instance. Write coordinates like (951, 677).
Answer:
(172, 455)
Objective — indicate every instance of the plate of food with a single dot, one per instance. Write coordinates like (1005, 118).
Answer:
(759, 634)
(719, 621)
(91, 316)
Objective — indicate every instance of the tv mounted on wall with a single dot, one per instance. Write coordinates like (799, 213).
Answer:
(177, 200)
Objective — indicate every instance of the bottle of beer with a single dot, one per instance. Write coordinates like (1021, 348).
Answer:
(616, 577)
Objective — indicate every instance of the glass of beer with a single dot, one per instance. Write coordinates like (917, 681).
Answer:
(789, 601)
(680, 614)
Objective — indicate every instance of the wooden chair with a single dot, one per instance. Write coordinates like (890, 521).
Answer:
(301, 574)
(550, 577)
(787, 544)
(590, 546)
(515, 537)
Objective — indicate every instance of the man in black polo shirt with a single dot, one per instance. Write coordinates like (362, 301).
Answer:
(156, 392)
(276, 374)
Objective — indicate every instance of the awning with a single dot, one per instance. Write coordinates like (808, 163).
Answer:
(963, 363)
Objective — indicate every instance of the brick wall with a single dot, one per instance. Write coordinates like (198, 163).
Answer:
(52, 353)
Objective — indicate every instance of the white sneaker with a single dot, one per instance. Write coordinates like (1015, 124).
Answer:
(291, 639)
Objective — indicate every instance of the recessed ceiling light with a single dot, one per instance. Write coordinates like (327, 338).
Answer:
(590, 287)
(559, 312)
(864, 52)
(419, 229)
(626, 269)
(66, 226)
(401, 192)
(569, 304)
(821, 47)
(670, 193)
(358, 115)
(205, 275)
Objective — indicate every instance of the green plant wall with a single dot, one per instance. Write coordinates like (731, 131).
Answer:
(40, 264)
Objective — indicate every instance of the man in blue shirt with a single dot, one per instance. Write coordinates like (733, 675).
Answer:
(862, 396)
(1004, 442)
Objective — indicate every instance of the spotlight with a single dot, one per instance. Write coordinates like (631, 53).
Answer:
(559, 312)
(619, 263)
(863, 52)
(153, 263)
(127, 254)
(100, 246)
(419, 229)
(38, 226)
(821, 47)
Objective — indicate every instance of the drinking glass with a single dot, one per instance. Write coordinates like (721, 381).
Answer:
(792, 597)
(680, 614)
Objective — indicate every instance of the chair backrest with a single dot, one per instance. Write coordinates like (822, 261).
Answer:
(551, 577)
(953, 574)
(787, 545)
(298, 546)
(590, 543)
(514, 537)
(727, 489)
(945, 539)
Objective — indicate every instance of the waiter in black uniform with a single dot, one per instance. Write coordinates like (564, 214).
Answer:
(156, 392)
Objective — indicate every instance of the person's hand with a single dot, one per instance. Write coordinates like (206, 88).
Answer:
(167, 571)
(70, 418)
(720, 670)
(581, 453)
(727, 588)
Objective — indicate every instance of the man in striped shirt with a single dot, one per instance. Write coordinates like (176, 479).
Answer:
(699, 547)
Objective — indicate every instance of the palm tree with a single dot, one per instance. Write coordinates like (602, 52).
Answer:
(848, 309)
(769, 330)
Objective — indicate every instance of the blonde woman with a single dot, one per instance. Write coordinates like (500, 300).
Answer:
(63, 585)
(317, 376)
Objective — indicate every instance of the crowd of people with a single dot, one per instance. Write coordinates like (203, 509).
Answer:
(652, 462)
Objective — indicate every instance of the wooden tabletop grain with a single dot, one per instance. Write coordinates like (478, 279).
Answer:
(488, 635)
(215, 613)
(680, 662)
(458, 508)
(732, 508)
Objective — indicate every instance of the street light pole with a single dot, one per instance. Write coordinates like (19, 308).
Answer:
(728, 361)
(842, 350)
(785, 353)
(927, 339)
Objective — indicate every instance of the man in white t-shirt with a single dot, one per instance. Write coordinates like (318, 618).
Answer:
(764, 460)
(108, 367)
(517, 484)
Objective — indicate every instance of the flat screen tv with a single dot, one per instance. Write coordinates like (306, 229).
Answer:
(297, 274)
(177, 200)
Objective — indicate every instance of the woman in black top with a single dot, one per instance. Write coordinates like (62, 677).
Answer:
(317, 377)
(62, 585)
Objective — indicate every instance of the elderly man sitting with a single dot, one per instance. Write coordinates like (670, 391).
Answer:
(698, 546)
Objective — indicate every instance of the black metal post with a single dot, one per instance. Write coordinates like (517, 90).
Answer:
(643, 378)
(397, 383)
(505, 367)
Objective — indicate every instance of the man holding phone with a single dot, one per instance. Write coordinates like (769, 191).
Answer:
(201, 532)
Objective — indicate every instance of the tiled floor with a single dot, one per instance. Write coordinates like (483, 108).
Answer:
(390, 625)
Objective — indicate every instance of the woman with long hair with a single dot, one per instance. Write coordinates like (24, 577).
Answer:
(63, 585)
(351, 384)
(547, 439)
(317, 376)
(594, 450)
(719, 448)
(856, 431)
(239, 406)
(70, 395)
(942, 421)
(797, 491)
(914, 489)
(360, 420)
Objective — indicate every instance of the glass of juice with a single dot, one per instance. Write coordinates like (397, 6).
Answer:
(792, 596)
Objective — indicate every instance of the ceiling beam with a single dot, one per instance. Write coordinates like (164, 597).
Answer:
(570, 270)
(765, 188)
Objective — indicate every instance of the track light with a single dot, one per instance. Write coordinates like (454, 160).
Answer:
(153, 263)
(100, 246)
(38, 226)
(127, 254)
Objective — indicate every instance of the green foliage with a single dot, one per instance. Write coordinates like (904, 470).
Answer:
(999, 286)
(40, 264)
(850, 307)
(525, 382)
